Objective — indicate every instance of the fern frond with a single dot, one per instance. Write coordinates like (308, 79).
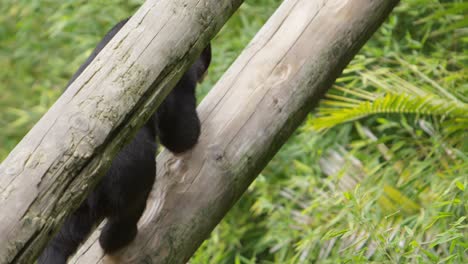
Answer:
(341, 109)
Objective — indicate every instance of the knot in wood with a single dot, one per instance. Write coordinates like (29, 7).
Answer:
(79, 122)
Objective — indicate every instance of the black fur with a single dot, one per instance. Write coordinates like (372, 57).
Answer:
(122, 193)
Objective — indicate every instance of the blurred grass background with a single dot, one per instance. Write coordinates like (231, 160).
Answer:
(377, 174)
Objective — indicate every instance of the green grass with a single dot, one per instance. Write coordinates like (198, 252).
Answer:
(384, 188)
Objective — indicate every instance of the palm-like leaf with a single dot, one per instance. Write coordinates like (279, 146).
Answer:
(337, 109)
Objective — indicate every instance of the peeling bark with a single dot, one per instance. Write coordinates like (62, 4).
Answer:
(52, 169)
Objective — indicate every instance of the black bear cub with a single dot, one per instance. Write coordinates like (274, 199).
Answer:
(122, 193)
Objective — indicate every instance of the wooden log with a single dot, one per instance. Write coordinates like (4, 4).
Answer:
(52, 169)
(248, 115)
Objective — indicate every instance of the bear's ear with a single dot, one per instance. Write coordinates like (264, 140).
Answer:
(202, 63)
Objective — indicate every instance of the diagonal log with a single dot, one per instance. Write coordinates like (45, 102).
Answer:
(248, 115)
(52, 169)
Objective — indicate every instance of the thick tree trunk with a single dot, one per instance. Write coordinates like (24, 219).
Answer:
(246, 118)
(51, 170)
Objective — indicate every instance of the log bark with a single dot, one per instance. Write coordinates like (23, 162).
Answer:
(55, 165)
(248, 115)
